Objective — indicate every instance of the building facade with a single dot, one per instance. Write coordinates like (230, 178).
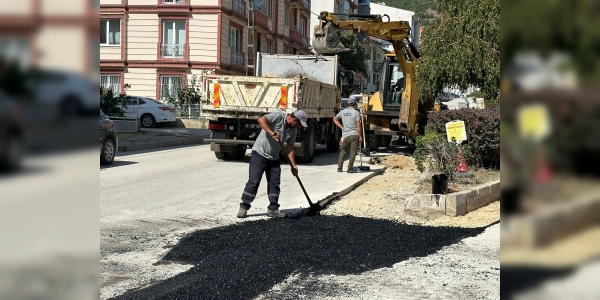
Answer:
(50, 34)
(153, 46)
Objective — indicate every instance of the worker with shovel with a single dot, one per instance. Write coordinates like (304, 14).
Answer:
(351, 136)
(277, 128)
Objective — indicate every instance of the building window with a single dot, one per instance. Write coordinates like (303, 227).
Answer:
(169, 85)
(302, 27)
(110, 32)
(286, 15)
(111, 82)
(264, 6)
(346, 7)
(173, 2)
(269, 48)
(173, 38)
(362, 1)
(235, 41)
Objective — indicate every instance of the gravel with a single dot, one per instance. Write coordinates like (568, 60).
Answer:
(363, 246)
(245, 260)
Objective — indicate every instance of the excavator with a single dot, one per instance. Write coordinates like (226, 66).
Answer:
(394, 109)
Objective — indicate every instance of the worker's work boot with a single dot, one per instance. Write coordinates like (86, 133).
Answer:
(242, 213)
(275, 213)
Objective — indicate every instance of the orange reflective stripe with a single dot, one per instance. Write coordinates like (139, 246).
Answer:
(216, 96)
(283, 98)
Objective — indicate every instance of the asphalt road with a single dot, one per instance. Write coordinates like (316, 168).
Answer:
(150, 200)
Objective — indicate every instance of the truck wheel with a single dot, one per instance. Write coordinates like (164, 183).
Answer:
(310, 144)
(386, 140)
(221, 155)
(238, 153)
(373, 141)
(333, 141)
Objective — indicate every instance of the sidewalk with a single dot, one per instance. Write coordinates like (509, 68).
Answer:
(151, 138)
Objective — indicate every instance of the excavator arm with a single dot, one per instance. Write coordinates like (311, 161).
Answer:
(325, 41)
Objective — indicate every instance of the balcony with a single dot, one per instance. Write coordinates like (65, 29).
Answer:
(295, 35)
(239, 7)
(173, 2)
(263, 9)
(172, 50)
(303, 3)
(237, 58)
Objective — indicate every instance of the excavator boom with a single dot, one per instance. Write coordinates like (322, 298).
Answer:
(326, 41)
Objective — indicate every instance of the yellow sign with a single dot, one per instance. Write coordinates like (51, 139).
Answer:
(456, 130)
(534, 122)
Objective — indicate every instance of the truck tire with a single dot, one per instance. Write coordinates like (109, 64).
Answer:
(221, 155)
(373, 141)
(333, 141)
(310, 144)
(238, 153)
(386, 140)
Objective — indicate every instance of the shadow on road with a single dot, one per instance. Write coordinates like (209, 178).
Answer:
(118, 163)
(244, 260)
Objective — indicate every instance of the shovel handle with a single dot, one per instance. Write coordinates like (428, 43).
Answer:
(297, 177)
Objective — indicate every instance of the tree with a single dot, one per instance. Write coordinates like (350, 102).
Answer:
(356, 58)
(113, 106)
(186, 95)
(461, 49)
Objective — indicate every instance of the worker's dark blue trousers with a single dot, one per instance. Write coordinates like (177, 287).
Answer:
(272, 170)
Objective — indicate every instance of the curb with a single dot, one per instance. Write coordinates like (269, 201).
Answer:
(553, 223)
(155, 145)
(457, 204)
(323, 203)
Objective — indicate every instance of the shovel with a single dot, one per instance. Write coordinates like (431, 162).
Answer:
(314, 208)
(361, 168)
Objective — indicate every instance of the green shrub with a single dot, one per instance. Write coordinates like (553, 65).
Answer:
(434, 152)
(483, 133)
(112, 106)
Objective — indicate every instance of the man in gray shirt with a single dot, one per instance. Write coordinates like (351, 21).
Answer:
(276, 127)
(351, 136)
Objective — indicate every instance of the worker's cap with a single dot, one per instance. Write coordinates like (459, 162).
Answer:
(301, 115)
(352, 100)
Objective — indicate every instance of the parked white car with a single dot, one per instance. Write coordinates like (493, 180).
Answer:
(150, 111)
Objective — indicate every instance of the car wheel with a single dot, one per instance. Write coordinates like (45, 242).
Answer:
(13, 154)
(108, 152)
(148, 121)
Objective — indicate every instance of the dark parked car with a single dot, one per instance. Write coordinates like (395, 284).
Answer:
(108, 140)
(11, 135)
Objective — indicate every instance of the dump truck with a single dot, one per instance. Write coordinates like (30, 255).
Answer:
(394, 109)
(285, 83)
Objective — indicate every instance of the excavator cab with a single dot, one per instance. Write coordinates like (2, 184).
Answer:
(393, 83)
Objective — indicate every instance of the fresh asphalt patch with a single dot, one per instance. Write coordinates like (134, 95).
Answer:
(246, 259)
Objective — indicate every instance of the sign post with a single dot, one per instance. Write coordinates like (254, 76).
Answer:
(456, 130)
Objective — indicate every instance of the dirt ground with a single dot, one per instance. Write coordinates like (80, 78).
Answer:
(383, 197)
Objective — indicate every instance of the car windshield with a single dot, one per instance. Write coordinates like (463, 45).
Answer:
(102, 115)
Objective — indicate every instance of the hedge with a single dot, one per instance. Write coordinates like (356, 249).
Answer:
(483, 132)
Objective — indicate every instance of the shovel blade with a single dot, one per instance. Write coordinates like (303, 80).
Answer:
(326, 40)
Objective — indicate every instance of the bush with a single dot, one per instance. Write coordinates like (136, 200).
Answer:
(433, 151)
(111, 106)
(483, 133)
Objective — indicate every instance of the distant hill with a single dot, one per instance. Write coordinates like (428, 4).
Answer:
(426, 10)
